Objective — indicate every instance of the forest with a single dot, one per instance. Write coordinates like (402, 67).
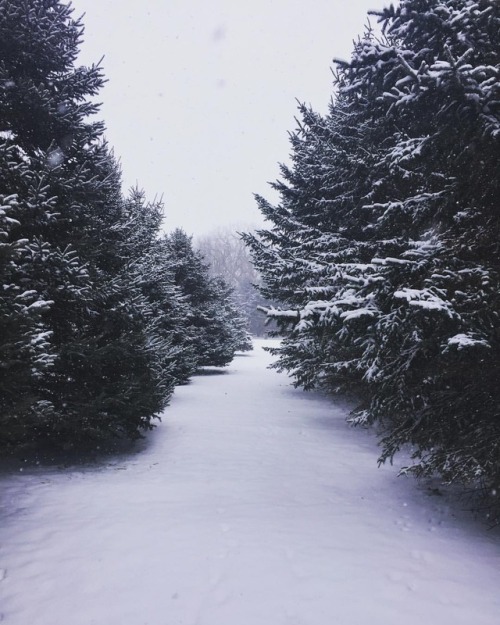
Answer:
(383, 250)
(151, 469)
(382, 253)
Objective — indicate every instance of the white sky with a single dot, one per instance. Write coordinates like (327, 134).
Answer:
(201, 94)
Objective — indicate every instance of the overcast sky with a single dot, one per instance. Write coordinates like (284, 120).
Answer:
(201, 94)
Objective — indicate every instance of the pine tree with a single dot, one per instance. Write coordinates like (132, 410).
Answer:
(170, 311)
(226, 331)
(82, 362)
(114, 374)
(215, 328)
(438, 80)
(26, 352)
(384, 249)
(314, 258)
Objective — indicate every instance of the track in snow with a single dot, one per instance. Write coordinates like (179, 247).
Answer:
(251, 504)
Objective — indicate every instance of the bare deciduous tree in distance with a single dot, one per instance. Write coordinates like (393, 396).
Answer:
(229, 257)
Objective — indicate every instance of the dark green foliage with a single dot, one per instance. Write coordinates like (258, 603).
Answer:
(226, 330)
(85, 355)
(170, 310)
(384, 249)
(99, 317)
(216, 327)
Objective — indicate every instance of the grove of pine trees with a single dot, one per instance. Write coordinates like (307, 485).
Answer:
(100, 315)
(384, 249)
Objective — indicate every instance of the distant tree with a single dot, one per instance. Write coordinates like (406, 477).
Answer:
(171, 311)
(215, 325)
(229, 258)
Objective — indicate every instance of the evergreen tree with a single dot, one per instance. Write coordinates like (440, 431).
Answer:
(37, 114)
(227, 329)
(80, 357)
(313, 259)
(384, 248)
(26, 351)
(171, 311)
(116, 374)
(215, 327)
(438, 80)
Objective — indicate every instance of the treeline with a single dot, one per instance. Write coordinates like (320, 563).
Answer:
(230, 258)
(385, 247)
(100, 314)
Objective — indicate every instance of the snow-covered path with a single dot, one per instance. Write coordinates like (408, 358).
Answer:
(252, 504)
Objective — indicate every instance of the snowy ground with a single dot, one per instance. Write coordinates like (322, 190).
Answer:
(252, 504)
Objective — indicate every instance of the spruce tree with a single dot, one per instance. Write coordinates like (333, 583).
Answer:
(384, 247)
(214, 326)
(438, 79)
(81, 364)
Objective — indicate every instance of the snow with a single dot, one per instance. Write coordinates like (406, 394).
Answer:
(40, 304)
(425, 299)
(390, 261)
(357, 314)
(55, 158)
(462, 341)
(252, 503)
